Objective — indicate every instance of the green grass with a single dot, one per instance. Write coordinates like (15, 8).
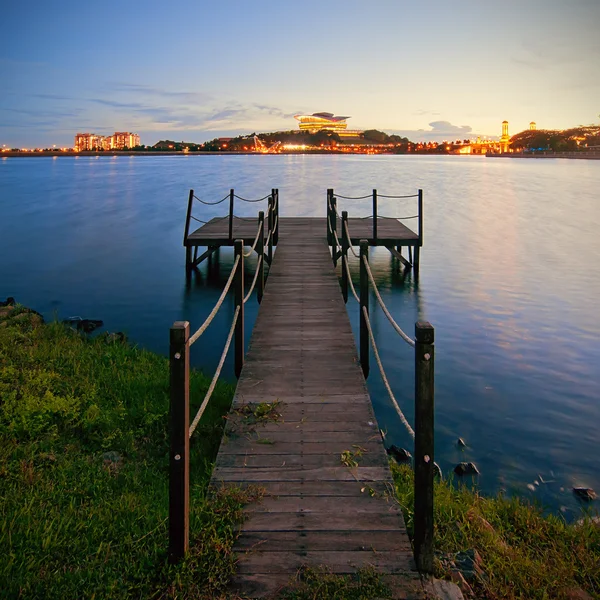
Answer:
(84, 471)
(525, 553)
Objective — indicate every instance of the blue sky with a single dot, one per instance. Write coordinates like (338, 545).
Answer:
(195, 70)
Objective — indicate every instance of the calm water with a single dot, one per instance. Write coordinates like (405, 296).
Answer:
(509, 278)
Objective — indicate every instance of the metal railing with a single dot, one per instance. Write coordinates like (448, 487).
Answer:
(423, 432)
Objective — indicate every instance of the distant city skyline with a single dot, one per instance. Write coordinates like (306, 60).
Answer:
(194, 71)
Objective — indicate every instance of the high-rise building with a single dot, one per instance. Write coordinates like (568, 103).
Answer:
(119, 141)
(321, 121)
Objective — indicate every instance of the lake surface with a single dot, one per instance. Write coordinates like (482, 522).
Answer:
(510, 279)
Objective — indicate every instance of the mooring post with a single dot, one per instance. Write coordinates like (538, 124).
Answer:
(375, 217)
(345, 245)
(275, 193)
(329, 196)
(179, 459)
(238, 284)
(270, 221)
(364, 302)
(231, 215)
(424, 446)
(260, 248)
(186, 233)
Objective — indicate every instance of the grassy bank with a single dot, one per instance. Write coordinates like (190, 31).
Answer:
(84, 470)
(523, 553)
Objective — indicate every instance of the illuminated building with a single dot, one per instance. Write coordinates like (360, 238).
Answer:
(324, 121)
(504, 138)
(532, 126)
(119, 141)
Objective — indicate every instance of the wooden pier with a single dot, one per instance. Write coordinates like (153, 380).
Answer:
(302, 425)
(317, 511)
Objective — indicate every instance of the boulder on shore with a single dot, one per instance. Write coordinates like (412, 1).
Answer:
(466, 468)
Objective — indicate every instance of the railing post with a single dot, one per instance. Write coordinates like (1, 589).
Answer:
(364, 302)
(230, 215)
(270, 222)
(345, 245)
(261, 256)
(424, 446)
(275, 194)
(179, 458)
(334, 245)
(418, 248)
(239, 301)
(188, 249)
(329, 196)
(375, 217)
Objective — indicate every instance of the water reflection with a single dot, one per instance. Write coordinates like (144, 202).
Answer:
(508, 278)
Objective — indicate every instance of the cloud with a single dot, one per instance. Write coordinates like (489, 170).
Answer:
(440, 131)
(424, 113)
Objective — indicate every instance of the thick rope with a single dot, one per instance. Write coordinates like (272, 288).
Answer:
(216, 375)
(383, 376)
(247, 200)
(199, 220)
(352, 288)
(215, 310)
(349, 240)
(409, 196)
(247, 254)
(211, 203)
(253, 281)
(244, 218)
(395, 325)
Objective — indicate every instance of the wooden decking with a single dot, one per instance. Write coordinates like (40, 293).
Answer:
(389, 231)
(317, 511)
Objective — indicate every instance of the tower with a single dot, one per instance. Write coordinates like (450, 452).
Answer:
(532, 126)
(504, 138)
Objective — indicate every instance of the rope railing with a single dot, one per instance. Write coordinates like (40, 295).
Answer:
(253, 247)
(386, 383)
(349, 238)
(253, 200)
(398, 218)
(353, 197)
(217, 306)
(405, 196)
(215, 378)
(350, 284)
(256, 274)
(199, 220)
(384, 308)
(210, 203)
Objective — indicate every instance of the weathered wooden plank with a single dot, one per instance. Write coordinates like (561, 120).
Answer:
(292, 473)
(323, 522)
(265, 445)
(282, 541)
(264, 460)
(365, 503)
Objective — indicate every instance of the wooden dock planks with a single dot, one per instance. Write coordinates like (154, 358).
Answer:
(317, 511)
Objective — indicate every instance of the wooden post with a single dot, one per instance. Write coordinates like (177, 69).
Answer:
(418, 247)
(188, 250)
(334, 246)
(424, 447)
(270, 222)
(260, 248)
(238, 284)
(345, 245)
(329, 196)
(275, 193)
(231, 215)
(179, 458)
(364, 301)
(375, 217)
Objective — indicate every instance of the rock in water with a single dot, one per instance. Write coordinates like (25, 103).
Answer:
(460, 443)
(400, 455)
(585, 493)
(89, 325)
(465, 468)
